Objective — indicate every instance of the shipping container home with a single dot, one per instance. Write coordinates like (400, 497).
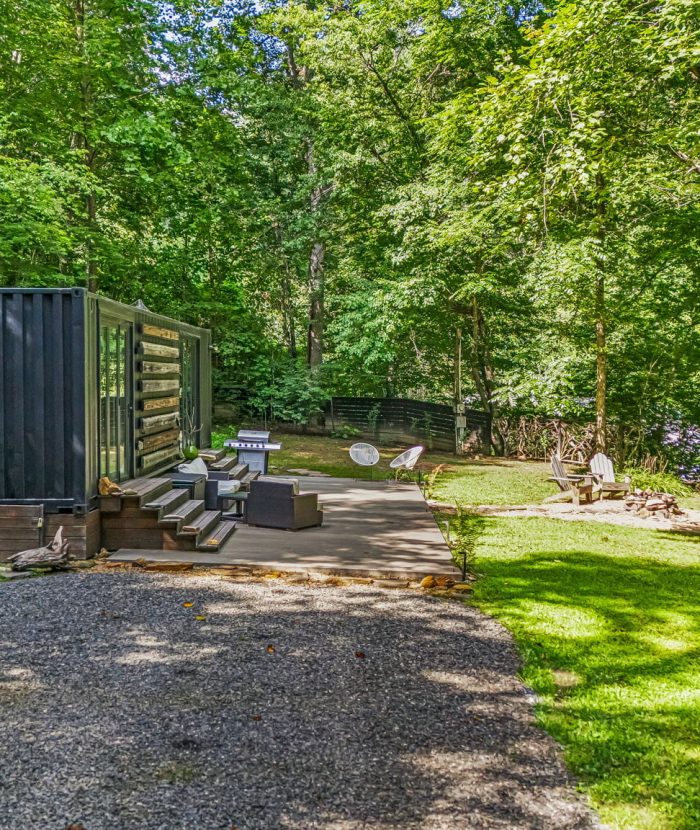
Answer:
(91, 387)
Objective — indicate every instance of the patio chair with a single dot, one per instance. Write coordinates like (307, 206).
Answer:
(218, 488)
(407, 460)
(576, 485)
(604, 473)
(277, 502)
(365, 455)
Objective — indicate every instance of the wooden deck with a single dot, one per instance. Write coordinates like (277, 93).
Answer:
(378, 529)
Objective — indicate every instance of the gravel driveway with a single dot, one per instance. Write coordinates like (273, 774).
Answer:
(289, 706)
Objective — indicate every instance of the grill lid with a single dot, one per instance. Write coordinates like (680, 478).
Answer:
(253, 435)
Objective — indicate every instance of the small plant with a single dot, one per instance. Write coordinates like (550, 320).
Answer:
(345, 431)
(642, 479)
(430, 481)
(373, 417)
(189, 433)
(464, 531)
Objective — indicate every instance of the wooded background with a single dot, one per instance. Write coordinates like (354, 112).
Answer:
(337, 188)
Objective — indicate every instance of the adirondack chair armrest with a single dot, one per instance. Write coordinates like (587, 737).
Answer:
(571, 479)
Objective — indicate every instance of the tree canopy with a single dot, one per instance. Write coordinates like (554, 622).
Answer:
(337, 189)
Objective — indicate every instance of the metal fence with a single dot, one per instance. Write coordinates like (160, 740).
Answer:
(407, 421)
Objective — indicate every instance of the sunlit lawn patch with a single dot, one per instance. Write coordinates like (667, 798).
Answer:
(607, 621)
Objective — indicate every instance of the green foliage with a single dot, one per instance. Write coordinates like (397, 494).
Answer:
(659, 482)
(345, 431)
(484, 168)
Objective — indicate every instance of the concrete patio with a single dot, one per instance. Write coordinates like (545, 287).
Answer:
(376, 529)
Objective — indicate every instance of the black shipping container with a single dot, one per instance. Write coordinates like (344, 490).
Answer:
(92, 387)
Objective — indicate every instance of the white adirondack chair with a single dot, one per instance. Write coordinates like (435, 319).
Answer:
(604, 472)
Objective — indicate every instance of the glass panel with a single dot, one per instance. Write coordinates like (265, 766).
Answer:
(189, 400)
(114, 401)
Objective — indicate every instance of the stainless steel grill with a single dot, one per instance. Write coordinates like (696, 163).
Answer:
(253, 448)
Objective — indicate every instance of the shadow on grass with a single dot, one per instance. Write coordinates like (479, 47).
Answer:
(610, 643)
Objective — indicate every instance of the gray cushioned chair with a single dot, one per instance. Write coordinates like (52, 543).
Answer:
(276, 502)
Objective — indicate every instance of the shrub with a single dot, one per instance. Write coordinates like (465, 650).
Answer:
(662, 482)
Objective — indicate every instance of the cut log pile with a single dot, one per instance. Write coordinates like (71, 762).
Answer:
(650, 503)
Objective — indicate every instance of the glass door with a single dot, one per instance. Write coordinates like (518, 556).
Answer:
(189, 402)
(116, 399)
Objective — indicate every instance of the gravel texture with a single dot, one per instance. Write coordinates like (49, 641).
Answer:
(289, 706)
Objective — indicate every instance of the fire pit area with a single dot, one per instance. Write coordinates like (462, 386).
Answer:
(644, 503)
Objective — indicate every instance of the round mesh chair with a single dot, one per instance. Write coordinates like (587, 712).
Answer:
(365, 455)
(407, 460)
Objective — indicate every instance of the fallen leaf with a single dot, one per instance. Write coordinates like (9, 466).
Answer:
(200, 617)
(257, 717)
(270, 649)
(75, 826)
(187, 604)
(462, 586)
(360, 654)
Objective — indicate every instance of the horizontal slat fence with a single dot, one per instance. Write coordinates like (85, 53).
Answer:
(405, 420)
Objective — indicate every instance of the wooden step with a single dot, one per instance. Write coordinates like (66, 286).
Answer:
(211, 456)
(248, 477)
(200, 524)
(185, 512)
(216, 538)
(238, 471)
(146, 489)
(225, 464)
(142, 489)
(169, 501)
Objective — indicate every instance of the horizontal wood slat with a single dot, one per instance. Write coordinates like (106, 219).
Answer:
(156, 331)
(159, 457)
(150, 404)
(158, 350)
(148, 386)
(151, 368)
(159, 421)
(157, 441)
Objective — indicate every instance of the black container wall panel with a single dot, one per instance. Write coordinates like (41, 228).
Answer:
(42, 409)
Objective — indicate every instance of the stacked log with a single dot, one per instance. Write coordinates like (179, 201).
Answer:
(651, 503)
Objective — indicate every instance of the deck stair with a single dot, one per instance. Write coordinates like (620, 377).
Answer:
(153, 514)
(211, 456)
(224, 464)
(238, 471)
(168, 501)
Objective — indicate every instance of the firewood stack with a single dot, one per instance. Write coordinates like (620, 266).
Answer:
(650, 503)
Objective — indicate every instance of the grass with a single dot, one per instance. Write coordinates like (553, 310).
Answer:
(606, 619)
(494, 481)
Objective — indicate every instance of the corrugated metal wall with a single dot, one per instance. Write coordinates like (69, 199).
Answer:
(42, 396)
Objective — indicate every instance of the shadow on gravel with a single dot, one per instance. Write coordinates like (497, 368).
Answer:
(287, 707)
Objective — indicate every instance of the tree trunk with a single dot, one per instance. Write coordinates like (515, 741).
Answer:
(314, 344)
(601, 366)
(481, 369)
(286, 303)
(601, 356)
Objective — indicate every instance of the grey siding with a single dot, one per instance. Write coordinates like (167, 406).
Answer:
(42, 396)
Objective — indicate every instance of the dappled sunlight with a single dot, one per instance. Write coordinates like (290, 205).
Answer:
(617, 609)
(328, 701)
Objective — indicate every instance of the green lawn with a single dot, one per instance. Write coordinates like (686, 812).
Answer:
(605, 617)
(494, 481)
(607, 621)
